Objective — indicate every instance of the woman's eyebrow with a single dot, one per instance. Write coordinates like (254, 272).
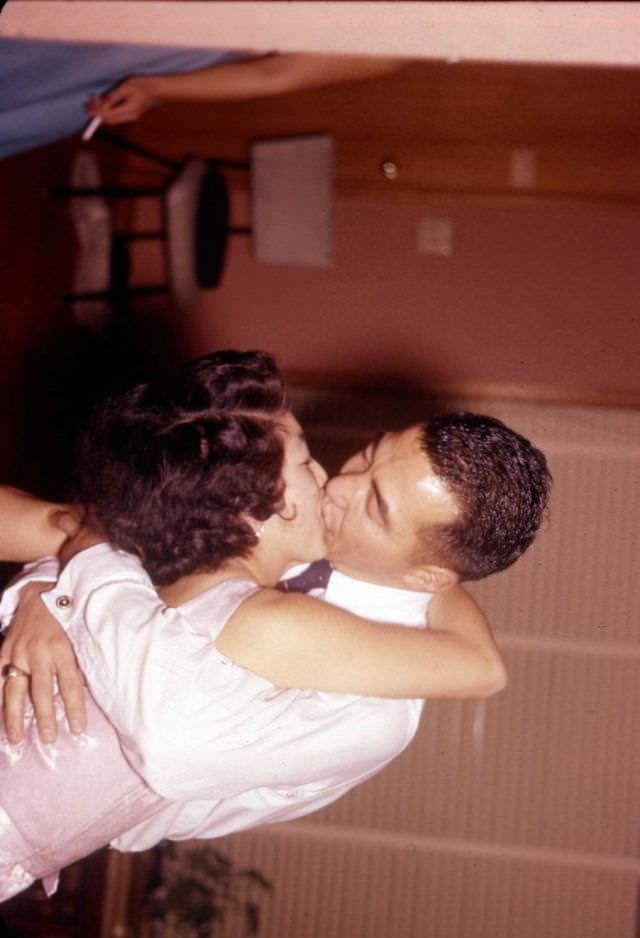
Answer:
(375, 443)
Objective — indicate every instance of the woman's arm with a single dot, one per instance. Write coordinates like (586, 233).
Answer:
(30, 526)
(291, 640)
(296, 641)
(236, 81)
(156, 676)
(41, 649)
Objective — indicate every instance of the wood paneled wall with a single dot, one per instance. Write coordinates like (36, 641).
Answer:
(449, 127)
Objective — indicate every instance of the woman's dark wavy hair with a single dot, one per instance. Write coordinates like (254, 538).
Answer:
(501, 484)
(170, 470)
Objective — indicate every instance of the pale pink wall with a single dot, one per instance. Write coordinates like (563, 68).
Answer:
(532, 296)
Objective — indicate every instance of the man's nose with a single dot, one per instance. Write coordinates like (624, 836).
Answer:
(319, 473)
(342, 488)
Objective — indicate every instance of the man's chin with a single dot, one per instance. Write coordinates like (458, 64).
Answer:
(330, 527)
(319, 554)
(330, 540)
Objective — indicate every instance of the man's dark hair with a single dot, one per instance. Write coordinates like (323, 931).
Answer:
(500, 482)
(172, 469)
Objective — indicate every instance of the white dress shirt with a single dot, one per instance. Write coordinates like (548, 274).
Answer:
(225, 747)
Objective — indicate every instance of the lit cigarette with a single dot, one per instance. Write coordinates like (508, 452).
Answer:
(91, 128)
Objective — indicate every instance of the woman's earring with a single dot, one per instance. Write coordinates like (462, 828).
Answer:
(259, 531)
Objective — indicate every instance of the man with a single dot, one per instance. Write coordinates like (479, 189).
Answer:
(456, 498)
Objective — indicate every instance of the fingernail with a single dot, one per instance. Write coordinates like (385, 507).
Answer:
(46, 734)
(76, 726)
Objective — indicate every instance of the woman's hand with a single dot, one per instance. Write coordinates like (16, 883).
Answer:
(39, 647)
(127, 102)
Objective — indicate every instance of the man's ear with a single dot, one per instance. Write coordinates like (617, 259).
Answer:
(430, 578)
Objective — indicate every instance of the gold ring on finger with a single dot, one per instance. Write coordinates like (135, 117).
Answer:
(12, 670)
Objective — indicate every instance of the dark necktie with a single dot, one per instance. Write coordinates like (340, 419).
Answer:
(315, 577)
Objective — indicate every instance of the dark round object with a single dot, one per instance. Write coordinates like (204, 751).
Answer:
(212, 228)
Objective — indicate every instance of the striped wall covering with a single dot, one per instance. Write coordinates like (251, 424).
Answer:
(331, 884)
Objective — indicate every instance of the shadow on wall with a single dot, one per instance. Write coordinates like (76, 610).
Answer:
(340, 420)
(67, 373)
(58, 361)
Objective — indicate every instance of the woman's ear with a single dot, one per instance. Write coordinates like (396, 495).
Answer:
(430, 578)
(289, 512)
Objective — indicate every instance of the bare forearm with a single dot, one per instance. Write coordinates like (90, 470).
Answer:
(455, 615)
(294, 641)
(234, 81)
(28, 527)
(266, 76)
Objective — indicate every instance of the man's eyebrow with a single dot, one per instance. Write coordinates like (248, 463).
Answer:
(383, 507)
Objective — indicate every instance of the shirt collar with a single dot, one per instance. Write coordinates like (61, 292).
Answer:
(381, 603)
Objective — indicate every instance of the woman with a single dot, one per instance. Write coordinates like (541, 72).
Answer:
(207, 478)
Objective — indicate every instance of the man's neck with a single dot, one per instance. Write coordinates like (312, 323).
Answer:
(395, 582)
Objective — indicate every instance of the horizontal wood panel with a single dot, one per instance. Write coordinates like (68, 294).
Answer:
(450, 128)
(484, 169)
(551, 764)
(465, 390)
(500, 104)
(338, 887)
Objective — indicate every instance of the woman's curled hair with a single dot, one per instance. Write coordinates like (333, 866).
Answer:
(172, 469)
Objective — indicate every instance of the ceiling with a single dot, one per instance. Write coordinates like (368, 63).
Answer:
(588, 33)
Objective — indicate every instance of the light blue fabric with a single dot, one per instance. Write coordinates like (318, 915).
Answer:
(45, 85)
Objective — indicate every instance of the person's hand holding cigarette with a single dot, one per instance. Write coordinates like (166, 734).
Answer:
(126, 102)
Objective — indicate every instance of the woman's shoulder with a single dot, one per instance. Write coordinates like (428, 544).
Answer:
(216, 604)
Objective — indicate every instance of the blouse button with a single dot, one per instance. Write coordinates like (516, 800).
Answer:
(63, 602)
